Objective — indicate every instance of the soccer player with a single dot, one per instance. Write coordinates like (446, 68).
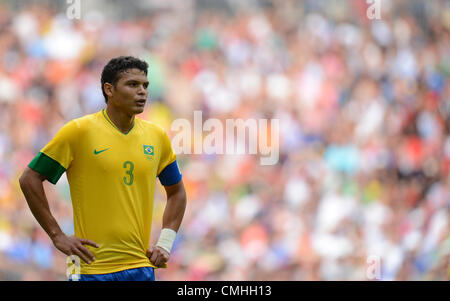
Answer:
(111, 159)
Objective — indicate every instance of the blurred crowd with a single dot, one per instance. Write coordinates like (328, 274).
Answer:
(362, 187)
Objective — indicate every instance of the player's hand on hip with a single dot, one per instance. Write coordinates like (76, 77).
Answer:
(71, 245)
(158, 256)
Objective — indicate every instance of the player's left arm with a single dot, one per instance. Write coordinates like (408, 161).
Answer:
(173, 215)
(175, 207)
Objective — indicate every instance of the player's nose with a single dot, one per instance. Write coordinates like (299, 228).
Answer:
(142, 91)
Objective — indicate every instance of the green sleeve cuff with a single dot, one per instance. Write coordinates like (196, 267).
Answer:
(48, 167)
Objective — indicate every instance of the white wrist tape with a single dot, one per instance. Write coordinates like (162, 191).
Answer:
(166, 239)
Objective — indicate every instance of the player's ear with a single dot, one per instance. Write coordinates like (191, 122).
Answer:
(108, 88)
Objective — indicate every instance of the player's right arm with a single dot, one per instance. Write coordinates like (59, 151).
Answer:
(31, 183)
(49, 164)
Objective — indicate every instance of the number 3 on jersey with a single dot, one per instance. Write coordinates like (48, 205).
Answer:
(129, 166)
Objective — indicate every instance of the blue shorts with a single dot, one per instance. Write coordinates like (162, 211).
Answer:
(137, 274)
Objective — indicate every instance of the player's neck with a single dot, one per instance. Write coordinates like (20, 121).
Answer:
(122, 121)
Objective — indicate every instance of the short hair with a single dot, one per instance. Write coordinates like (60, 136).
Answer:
(111, 72)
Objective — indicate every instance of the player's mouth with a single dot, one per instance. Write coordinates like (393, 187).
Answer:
(140, 102)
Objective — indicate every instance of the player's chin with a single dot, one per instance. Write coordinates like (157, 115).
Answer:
(137, 109)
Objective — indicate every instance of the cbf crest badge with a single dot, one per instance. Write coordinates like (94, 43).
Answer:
(149, 151)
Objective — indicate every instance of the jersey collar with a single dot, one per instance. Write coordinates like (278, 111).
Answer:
(105, 114)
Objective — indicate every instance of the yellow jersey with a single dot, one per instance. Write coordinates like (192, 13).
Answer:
(112, 179)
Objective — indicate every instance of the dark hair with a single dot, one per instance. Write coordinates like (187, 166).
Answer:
(111, 72)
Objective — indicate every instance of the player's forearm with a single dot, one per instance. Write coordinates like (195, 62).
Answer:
(33, 190)
(174, 211)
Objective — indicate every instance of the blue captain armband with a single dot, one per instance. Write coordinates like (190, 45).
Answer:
(170, 175)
